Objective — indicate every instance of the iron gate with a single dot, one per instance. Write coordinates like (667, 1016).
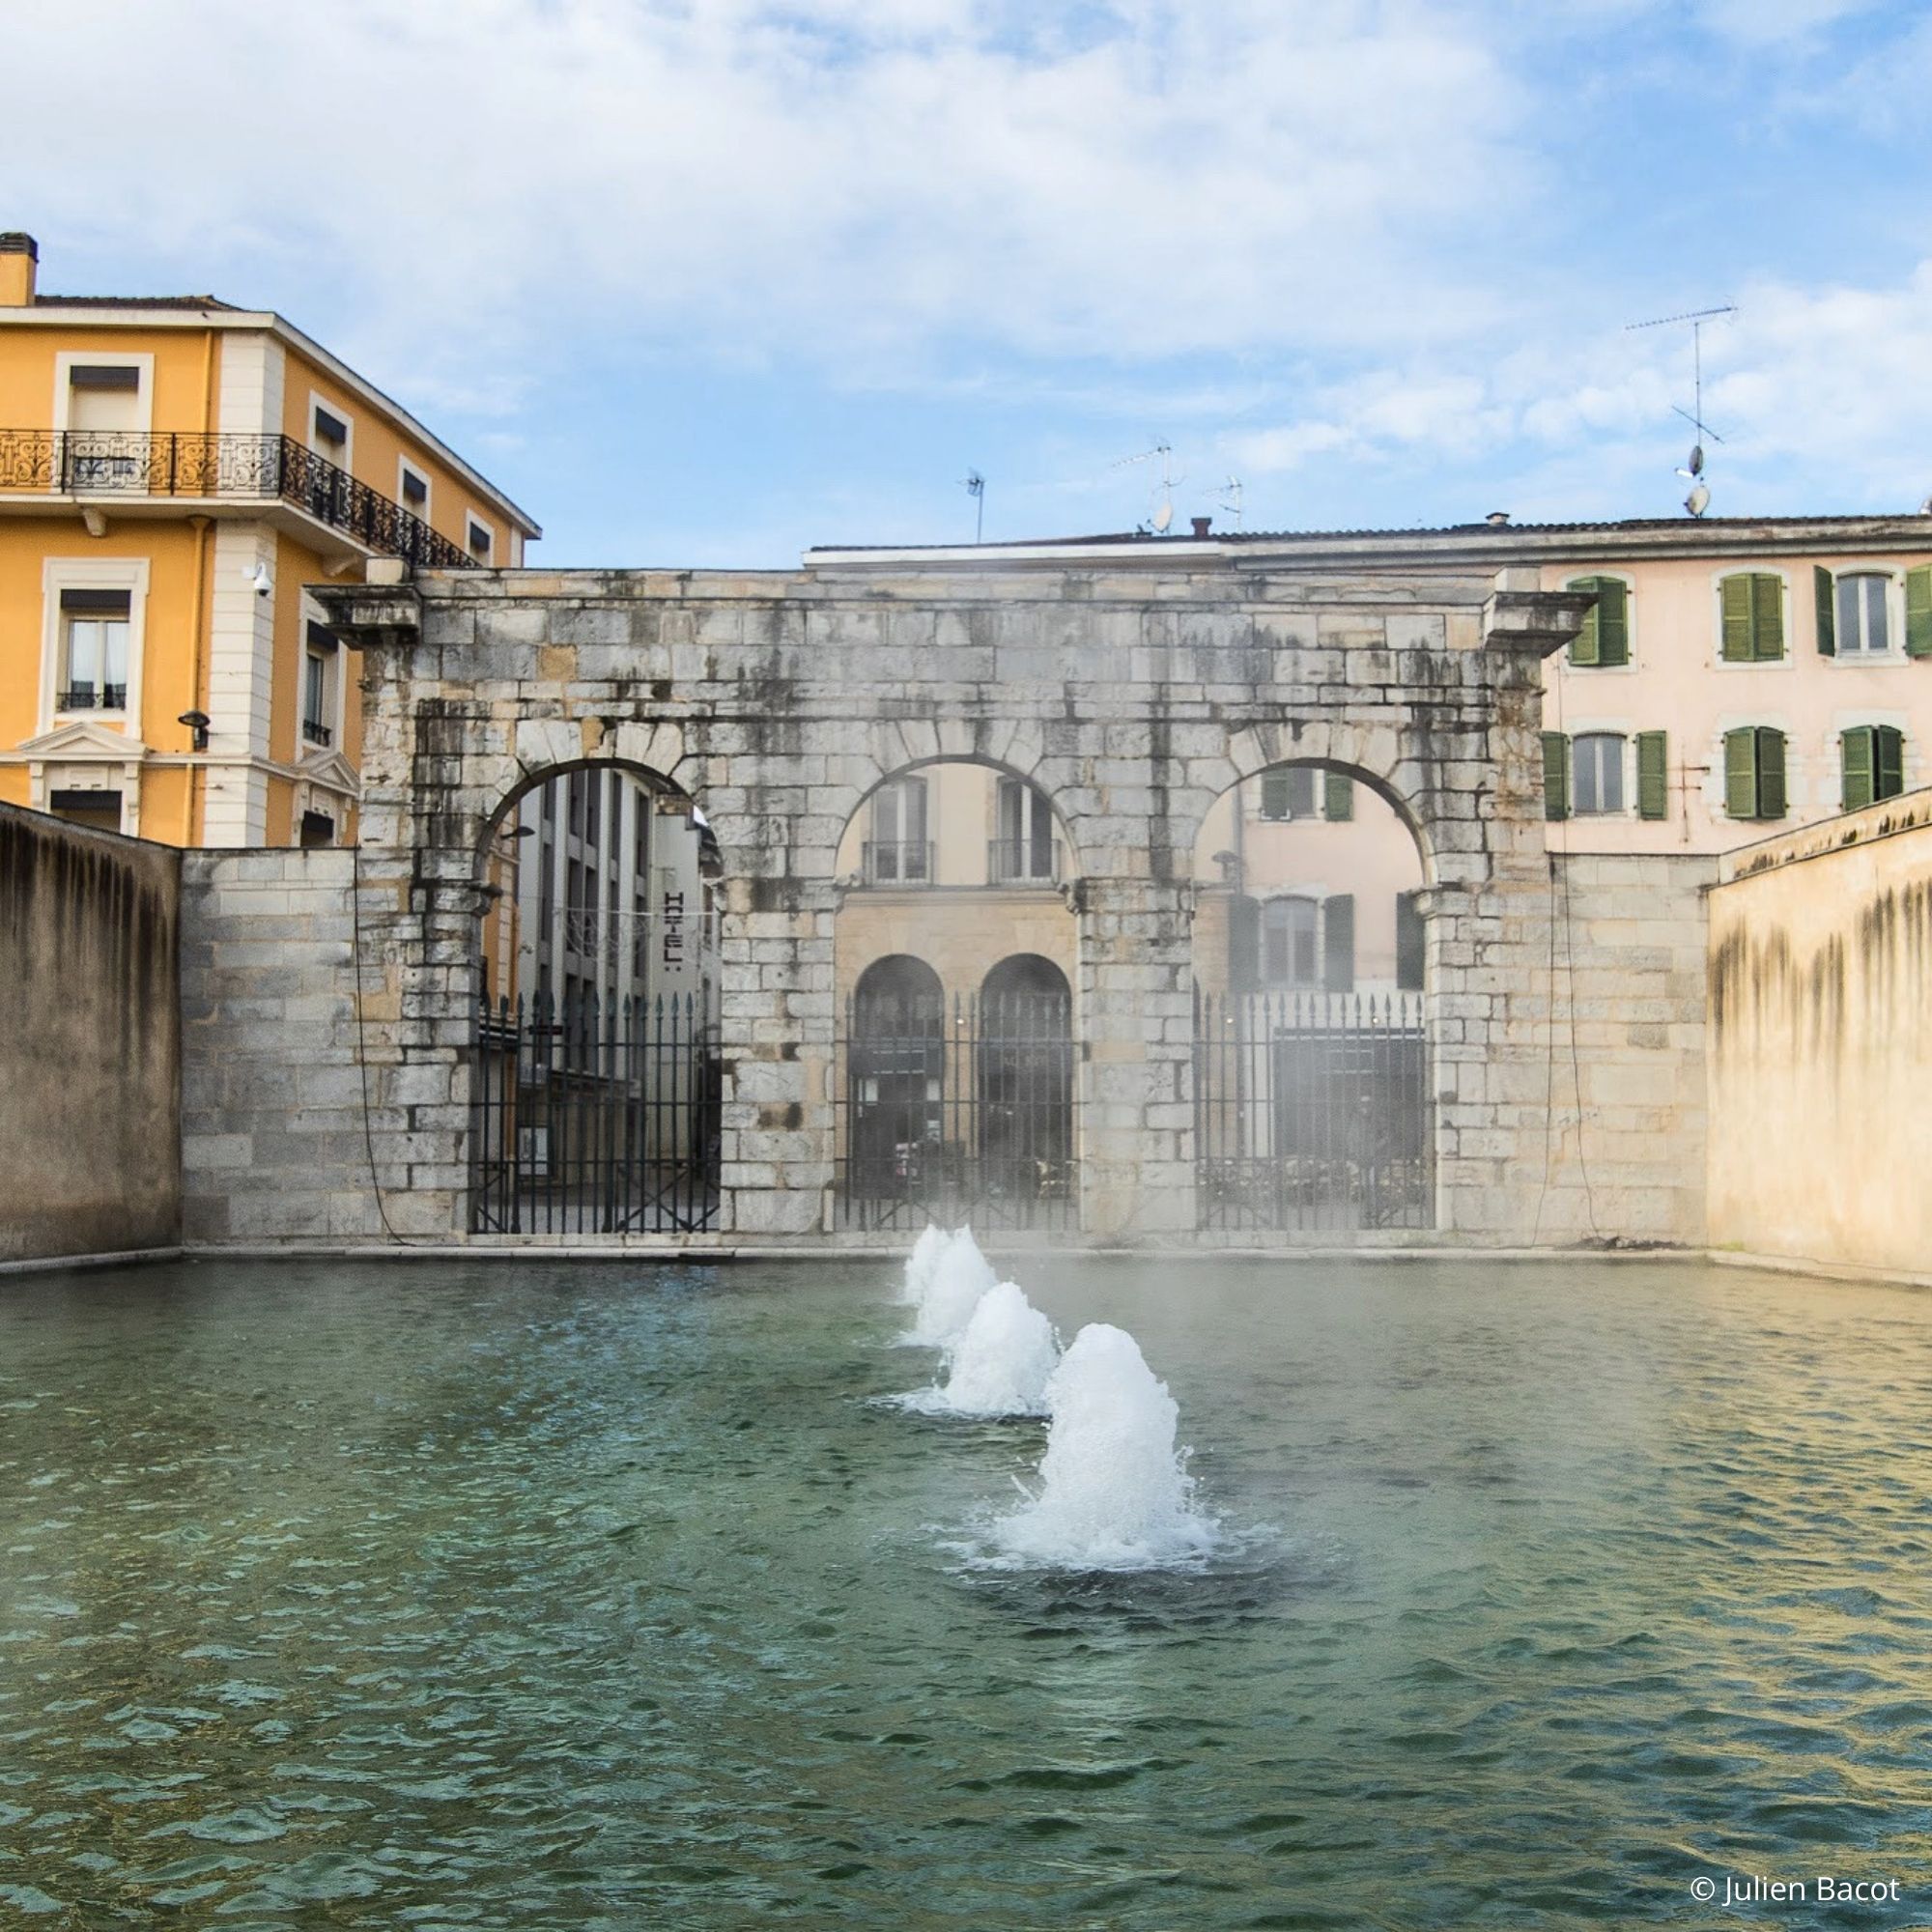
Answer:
(958, 1114)
(1313, 1110)
(595, 1118)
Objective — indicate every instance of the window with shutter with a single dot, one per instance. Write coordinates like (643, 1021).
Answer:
(1823, 597)
(1338, 795)
(1862, 616)
(1887, 762)
(1409, 943)
(1855, 767)
(1604, 642)
(1770, 772)
(1653, 775)
(1753, 617)
(1555, 775)
(1338, 943)
(1595, 774)
(1741, 773)
(1918, 611)
(1274, 794)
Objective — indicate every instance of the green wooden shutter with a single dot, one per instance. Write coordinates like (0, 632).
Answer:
(1918, 611)
(1338, 943)
(1612, 621)
(1856, 763)
(1767, 616)
(1887, 762)
(1585, 644)
(1824, 589)
(1737, 595)
(1338, 795)
(1409, 943)
(1555, 775)
(1770, 772)
(1741, 773)
(1274, 795)
(1653, 775)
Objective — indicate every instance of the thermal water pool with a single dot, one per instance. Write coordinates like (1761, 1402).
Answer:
(560, 1596)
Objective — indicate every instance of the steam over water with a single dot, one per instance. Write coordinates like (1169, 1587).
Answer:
(350, 1597)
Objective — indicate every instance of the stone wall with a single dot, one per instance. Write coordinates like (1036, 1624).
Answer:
(90, 1047)
(275, 1143)
(1820, 1051)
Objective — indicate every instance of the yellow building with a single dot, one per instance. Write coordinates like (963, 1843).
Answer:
(173, 471)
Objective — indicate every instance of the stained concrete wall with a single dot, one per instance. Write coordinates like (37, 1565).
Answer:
(90, 1041)
(275, 1143)
(1821, 1048)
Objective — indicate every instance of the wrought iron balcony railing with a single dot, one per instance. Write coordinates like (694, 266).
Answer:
(898, 862)
(1023, 862)
(268, 469)
(317, 734)
(94, 698)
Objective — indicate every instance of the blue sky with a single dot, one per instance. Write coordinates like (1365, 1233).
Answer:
(708, 282)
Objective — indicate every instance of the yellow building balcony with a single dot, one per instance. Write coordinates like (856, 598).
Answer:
(140, 471)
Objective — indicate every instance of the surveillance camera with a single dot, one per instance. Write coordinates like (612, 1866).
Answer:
(258, 576)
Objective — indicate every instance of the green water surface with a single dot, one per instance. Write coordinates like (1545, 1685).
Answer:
(568, 1596)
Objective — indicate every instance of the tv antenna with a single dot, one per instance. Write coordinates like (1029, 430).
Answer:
(1230, 500)
(976, 488)
(1162, 518)
(1698, 499)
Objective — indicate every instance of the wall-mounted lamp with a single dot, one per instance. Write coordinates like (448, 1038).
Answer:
(196, 722)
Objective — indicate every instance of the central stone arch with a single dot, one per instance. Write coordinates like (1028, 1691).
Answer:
(1132, 691)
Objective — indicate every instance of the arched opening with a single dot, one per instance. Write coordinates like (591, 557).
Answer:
(1312, 1043)
(962, 869)
(1025, 1081)
(597, 1077)
(896, 1077)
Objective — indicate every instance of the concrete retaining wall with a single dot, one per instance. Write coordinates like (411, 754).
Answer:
(1821, 1048)
(90, 1041)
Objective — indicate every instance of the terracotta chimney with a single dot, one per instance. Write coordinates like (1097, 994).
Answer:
(19, 256)
(1201, 525)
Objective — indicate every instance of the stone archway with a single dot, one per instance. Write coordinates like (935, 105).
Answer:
(1132, 692)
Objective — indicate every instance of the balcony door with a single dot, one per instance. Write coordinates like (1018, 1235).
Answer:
(1024, 846)
(898, 853)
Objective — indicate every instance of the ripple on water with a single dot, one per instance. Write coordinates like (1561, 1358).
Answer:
(555, 1597)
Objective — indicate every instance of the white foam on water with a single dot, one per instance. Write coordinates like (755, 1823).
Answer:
(960, 1276)
(1113, 1492)
(920, 1263)
(1000, 1364)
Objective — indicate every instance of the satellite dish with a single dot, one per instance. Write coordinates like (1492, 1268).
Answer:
(1698, 500)
(1162, 518)
(1696, 459)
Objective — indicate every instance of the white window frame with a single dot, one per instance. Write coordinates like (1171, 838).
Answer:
(1290, 895)
(318, 401)
(404, 468)
(1626, 775)
(88, 573)
(333, 690)
(66, 360)
(1744, 568)
(1895, 615)
(1592, 672)
(489, 528)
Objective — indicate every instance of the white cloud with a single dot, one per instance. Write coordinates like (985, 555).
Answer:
(1825, 383)
(852, 178)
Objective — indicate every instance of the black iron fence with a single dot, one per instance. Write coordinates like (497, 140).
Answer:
(595, 1118)
(967, 1112)
(132, 463)
(1313, 1111)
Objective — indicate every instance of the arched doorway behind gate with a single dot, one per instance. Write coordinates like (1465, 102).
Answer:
(1311, 1088)
(956, 945)
(596, 1071)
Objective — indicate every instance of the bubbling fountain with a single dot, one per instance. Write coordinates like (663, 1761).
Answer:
(1113, 1492)
(1000, 1362)
(960, 1276)
(920, 1263)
